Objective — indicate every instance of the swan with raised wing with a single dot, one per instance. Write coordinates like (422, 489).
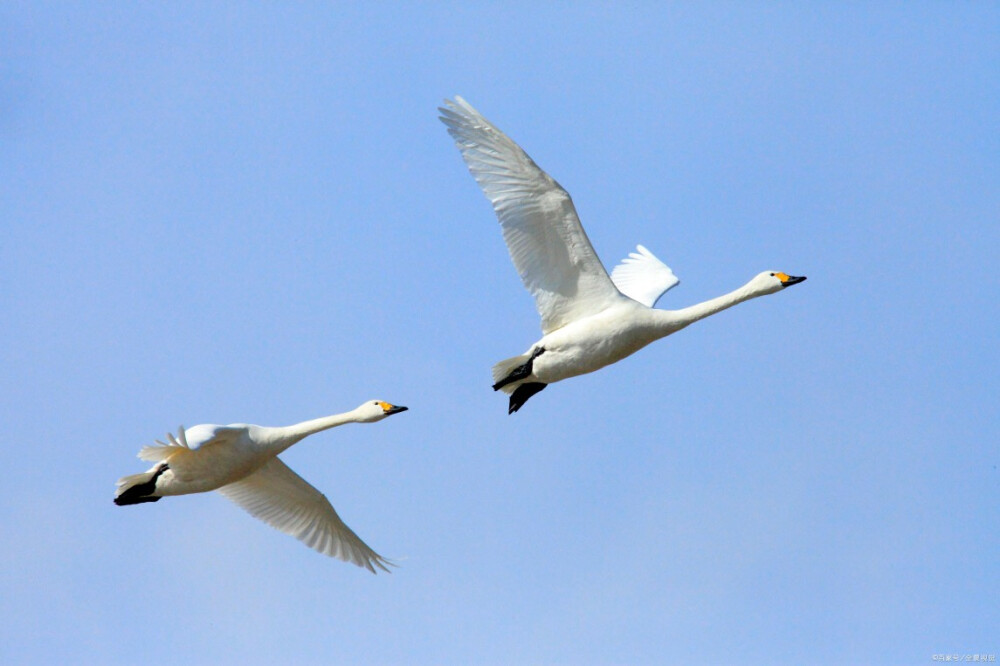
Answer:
(589, 319)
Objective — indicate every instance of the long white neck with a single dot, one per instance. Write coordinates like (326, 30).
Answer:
(674, 320)
(288, 435)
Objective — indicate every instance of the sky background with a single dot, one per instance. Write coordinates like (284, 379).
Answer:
(249, 212)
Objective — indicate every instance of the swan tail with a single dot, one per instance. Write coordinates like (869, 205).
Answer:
(504, 368)
(139, 488)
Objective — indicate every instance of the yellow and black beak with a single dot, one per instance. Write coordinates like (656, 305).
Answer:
(789, 280)
(392, 409)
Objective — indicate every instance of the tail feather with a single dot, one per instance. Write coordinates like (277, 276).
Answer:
(507, 366)
(127, 482)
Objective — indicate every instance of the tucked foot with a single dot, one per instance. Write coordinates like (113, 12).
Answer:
(141, 493)
(126, 499)
(520, 372)
(522, 393)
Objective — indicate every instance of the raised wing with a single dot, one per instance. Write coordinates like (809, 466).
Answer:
(190, 439)
(286, 501)
(547, 244)
(642, 277)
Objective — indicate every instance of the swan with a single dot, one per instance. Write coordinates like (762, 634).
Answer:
(589, 319)
(241, 462)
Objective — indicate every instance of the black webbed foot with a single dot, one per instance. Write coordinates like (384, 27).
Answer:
(521, 371)
(142, 492)
(522, 393)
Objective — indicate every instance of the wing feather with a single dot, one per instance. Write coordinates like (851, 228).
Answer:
(642, 277)
(546, 241)
(287, 502)
(191, 439)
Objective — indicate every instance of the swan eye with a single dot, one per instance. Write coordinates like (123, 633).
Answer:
(772, 274)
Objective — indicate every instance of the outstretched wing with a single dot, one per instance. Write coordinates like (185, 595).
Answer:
(190, 439)
(286, 501)
(547, 244)
(642, 277)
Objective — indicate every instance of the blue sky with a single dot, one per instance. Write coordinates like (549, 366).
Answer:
(250, 213)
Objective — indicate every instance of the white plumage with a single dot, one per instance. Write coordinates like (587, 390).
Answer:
(241, 462)
(548, 245)
(589, 319)
(642, 277)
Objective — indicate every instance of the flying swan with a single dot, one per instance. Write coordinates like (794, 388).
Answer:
(241, 462)
(589, 319)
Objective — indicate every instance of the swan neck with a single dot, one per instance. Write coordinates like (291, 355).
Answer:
(299, 431)
(710, 307)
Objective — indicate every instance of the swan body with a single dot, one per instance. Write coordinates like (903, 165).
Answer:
(590, 319)
(241, 462)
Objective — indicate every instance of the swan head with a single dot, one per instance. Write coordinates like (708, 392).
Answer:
(769, 282)
(376, 410)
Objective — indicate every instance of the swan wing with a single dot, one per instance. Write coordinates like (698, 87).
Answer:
(190, 439)
(642, 277)
(544, 236)
(287, 502)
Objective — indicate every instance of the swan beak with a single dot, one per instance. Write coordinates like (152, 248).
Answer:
(395, 409)
(791, 279)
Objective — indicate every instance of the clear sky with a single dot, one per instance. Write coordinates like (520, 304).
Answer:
(249, 212)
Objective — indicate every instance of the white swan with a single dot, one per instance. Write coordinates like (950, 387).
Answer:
(589, 319)
(241, 462)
